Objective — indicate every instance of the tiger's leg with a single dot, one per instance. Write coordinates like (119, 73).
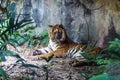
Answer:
(57, 53)
(42, 51)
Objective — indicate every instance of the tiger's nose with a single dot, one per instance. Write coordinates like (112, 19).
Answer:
(58, 36)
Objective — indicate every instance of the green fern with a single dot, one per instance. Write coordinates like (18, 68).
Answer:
(103, 76)
(44, 37)
(4, 74)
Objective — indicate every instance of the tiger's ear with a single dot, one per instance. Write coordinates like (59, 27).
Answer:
(61, 26)
(50, 26)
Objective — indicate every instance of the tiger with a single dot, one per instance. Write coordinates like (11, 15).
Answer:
(60, 45)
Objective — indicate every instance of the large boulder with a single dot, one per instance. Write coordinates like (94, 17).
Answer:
(83, 19)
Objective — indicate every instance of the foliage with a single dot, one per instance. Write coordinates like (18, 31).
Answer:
(6, 53)
(103, 76)
(109, 61)
(113, 69)
(10, 24)
(44, 37)
(114, 49)
(9, 27)
(111, 72)
(112, 52)
(34, 39)
(48, 58)
(114, 46)
(16, 30)
(28, 36)
(3, 73)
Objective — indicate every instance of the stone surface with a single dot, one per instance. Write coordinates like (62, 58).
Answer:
(80, 17)
(62, 68)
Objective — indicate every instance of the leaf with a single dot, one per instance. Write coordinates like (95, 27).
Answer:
(103, 76)
(102, 61)
(86, 55)
(89, 47)
(30, 45)
(45, 68)
(12, 6)
(19, 58)
(49, 58)
(18, 16)
(11, 42)
(19, 40)
(0, 60)
(2, 57)
(23, 25)
(7, 52)
(101, 56)
(94, 44)
(3, 73)
(29, 65)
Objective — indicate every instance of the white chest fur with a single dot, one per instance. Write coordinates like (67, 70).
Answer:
(52, 45)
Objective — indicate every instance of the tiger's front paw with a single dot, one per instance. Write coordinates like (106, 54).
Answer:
(37, 52)
(36, 58)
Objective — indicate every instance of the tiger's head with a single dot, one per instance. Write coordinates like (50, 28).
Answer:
(57, 33)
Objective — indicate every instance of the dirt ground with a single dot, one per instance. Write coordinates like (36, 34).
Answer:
(34, 69)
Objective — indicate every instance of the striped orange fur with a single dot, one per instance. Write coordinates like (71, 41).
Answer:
(61, 45)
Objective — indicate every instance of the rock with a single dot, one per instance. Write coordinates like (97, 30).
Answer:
(84, 20)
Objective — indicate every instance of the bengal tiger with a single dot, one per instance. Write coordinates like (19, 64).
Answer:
(61, 45)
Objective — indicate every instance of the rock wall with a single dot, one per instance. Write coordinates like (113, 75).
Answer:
(94, 20)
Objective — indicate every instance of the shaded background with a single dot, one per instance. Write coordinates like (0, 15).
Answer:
(94, 20)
